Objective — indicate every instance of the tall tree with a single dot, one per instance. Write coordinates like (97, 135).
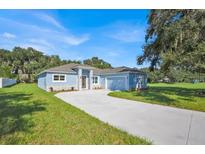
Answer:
(175, 38)
(96, 62)
(27, 63)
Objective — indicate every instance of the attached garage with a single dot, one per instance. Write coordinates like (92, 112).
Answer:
(116, 83)
(121, 78)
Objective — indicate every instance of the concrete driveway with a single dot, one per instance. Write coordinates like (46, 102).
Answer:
(159, 124)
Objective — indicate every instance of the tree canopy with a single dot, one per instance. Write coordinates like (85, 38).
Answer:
(175, 38)
(26, 63)
(96, 62)
(21, 61)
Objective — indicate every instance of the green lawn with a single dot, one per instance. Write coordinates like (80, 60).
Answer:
(181, 95)
(29, 115)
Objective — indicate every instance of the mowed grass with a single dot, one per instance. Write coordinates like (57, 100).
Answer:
(181, 95)
(29, 115)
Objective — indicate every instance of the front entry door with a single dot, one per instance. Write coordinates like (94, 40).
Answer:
(83, 81)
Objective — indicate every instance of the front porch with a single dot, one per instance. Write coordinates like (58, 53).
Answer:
(85, 79)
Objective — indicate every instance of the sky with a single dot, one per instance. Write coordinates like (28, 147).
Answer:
(116, 36)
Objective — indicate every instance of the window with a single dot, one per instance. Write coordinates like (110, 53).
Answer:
(58, 78)
(95, 80)
(62, 77)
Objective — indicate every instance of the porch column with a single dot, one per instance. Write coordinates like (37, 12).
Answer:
(91, 79)
(79, 79)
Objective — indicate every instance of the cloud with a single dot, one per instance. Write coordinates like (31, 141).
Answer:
(23, 26)
(7, 35)
(64, 38)
(125, 32)
(40, 41)
(129, 36)
(73, 40)
(50, 20)
(41, 45)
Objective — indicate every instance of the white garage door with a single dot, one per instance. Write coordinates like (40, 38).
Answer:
(116, 83)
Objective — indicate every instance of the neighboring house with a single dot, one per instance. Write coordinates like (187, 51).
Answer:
(79, 77)
(6, 82)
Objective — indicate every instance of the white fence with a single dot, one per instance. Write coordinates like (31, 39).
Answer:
(6, 82)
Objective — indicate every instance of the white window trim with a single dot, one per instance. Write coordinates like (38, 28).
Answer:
(98, 80)
(59, 80)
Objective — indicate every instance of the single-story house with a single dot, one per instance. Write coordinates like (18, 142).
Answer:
(80, 77)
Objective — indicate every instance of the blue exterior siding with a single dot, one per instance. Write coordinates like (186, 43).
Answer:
(71, 81)
(42, 81)
(133, 80)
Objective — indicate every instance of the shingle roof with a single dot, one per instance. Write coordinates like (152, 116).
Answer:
(116, 70)
(70, 68)
(62, 68)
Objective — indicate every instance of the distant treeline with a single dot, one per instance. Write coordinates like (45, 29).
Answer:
(173, 75)
(25, 63)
